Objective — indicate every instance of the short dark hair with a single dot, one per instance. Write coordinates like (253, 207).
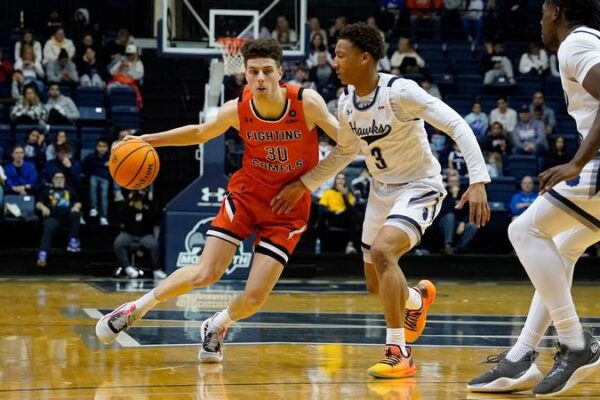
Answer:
(102, 140)
(364, 37)
(580, 12)
(262, 48)
(50, 84)
(63, 54)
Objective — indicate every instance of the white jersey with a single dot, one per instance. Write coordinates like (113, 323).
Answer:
(577, 54)
(389, 123)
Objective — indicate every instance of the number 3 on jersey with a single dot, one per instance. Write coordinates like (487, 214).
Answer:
(279, 154)
(379, 161)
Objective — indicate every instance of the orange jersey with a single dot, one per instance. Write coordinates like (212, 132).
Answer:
(281, 150)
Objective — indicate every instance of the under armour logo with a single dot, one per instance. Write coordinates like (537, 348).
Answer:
(218, 195)
(248, 120)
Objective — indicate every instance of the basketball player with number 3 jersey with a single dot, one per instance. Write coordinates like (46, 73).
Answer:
(277, 123)
(384, 116)
(557, 228)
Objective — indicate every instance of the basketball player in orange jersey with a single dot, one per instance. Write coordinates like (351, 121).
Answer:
(278, 125)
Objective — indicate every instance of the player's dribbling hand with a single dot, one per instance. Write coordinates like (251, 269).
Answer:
(479, 209)
(552, 176)
(132, 137)
(284, 201)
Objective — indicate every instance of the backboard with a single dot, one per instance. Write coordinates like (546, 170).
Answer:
(192, 27)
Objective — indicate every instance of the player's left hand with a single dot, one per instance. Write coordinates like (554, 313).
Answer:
(284, 201)
(479, 210)
(552, 176)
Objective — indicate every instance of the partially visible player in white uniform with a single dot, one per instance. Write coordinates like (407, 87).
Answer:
(556, 229)
(383, 116)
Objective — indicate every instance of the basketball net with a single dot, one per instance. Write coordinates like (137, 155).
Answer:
(232, 56)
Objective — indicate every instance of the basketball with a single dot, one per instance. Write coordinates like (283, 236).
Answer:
(134, 164)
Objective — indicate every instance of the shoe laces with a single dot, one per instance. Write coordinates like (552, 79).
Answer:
(122, 320)
(558, 357)
(212, 341)
(495, 358)
(411, 317)
(391, 359)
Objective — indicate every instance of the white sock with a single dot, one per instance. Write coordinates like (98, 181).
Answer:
(568, 327)
(396, 336)
(414, 300)
(538, 321)
(220, 321)
(145, 303)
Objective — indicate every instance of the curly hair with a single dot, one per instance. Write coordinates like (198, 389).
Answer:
(580, 12)
(262, 48)
(364, 37)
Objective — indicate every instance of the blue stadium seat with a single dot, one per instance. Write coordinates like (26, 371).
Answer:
(95, 115)
(25, 204)
(445, 82)
(121, 96)
(469, 84)
(552, 86)
(527, 85)
(467, 66)
(565, 125)
(5, 141)
(522, 165)
(501, 189)
(90, 96)
(125, 117)
(89, 135)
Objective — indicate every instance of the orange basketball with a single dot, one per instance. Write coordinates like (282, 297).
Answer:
(134, 164)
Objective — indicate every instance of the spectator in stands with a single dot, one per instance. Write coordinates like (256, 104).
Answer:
(332, 105)
(497, 140)
(360, 187)
(493, 162)
(315, 27)
(317, 46)
(61, 109)
(406, 58)
(338, 208)
(90, 69)
(81, 24)
(86, 42)
(424, 11)
(430, 87)
(456, 161)
(6, 71)
(60, 207)
(117, 47)
(62, 70)
(547, 115)
(521, 201)
(372, 22)
(2, 184)
(301, 79)
(554, 66)
(30, 67)
(440, 147)
(534, 62)
(454, 222)
(505, 115)
(137, 221)
(95, 169)
(478, 121)
(130, 66)
(56, 43)
(63, 163)
(383, 65)
(324, 77)
(283, 33)
(496, 67)
(472, 20)
(558, 153)
(29, 110)
(17, 85)
(60, 139)
(28, 40)
(528, 136)
(334, 31)
(21, 176)
(34, 149)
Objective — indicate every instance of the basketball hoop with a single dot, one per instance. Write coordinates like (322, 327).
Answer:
(232, 56)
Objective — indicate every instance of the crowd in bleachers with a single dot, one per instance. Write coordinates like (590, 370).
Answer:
(508, 92)
(67, 92)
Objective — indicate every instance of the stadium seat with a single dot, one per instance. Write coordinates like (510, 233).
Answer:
(522, 165)
(125, 117)
(17, 207)
(90, 96)
(527, 85)
(92, 115)
(5, 141)
(89, 135)
(121, 96)
(501, 189)
(469, 84)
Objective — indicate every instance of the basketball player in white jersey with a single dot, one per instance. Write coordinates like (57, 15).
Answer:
(557, 228)
(383, 116)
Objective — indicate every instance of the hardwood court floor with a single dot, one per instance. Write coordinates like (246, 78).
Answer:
(48, 349)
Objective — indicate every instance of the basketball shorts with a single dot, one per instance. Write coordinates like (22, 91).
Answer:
(411, 207)
(246, 209)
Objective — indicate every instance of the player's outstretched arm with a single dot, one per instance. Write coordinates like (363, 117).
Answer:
(346, 149)
(588, 148)
(196, 134)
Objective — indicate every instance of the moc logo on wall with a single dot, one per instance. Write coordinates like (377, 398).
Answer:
(194, 244)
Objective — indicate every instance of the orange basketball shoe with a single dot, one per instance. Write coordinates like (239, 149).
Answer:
(415, 320)
(394, 364)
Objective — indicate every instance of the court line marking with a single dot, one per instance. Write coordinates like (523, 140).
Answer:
(93, 313)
